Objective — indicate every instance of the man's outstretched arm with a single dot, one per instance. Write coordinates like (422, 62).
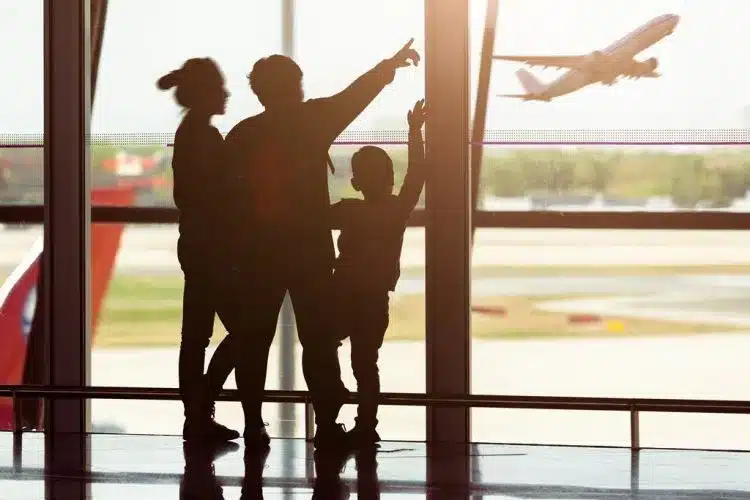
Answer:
(411, 189)
(335, 113)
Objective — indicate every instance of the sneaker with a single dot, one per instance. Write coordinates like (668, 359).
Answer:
(331, 437)
(205, 428)
(199, 422)
(362, 437)
(218, 432)
(257, 438)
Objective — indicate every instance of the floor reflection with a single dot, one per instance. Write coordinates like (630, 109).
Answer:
(157, 467)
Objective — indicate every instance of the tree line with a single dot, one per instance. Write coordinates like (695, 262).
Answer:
(711, 178)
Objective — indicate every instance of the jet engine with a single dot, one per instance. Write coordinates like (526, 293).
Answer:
(645, 68)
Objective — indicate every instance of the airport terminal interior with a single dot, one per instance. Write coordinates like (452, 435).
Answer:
(571, 317)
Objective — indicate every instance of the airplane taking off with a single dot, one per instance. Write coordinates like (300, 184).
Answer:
(604, 66)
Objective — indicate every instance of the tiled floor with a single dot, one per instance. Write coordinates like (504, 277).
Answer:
(154, 467)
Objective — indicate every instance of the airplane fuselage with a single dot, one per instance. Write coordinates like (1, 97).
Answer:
(606, 65)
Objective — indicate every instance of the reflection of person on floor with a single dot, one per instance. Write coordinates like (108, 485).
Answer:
(368, 265)
(199, 479)
(198, 146)
(283, 237)
(252, 483)
(328, 468)
(368, 483)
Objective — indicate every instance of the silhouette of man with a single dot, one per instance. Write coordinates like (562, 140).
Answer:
(283, 240)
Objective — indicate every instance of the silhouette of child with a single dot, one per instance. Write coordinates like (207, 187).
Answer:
(368, 265)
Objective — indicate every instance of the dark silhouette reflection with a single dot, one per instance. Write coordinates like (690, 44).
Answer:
(198, 189)
(328, 468)
(281, 239)
(368, 483)
(199, 480)
(252, 484)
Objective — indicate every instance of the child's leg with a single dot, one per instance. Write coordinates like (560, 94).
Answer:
(366, 340)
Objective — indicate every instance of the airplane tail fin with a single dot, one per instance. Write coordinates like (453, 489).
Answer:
(18, 300)
(530, 83)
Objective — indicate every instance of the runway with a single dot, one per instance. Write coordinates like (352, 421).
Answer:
(707, 366)
(152, 249)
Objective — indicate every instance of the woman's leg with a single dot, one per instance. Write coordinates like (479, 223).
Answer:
(220, 366)
(198, 311)
(197, 328)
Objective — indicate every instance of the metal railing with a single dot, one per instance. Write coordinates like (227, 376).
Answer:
(634, 406)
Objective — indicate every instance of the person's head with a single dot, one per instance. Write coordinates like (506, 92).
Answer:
(199, 86)
(276, 80)
(372, 172)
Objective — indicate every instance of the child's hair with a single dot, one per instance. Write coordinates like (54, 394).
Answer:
(369, 158)
(191, 81)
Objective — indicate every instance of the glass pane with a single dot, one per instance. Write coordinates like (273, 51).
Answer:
(233, 32)
(135, 170)
(694, 430)
(611, 313)
(695, 89)
(22, 103)
(550, 427)
(20, 250)
(356, 42)
(616, 178)
(332, 55)
(22, 97)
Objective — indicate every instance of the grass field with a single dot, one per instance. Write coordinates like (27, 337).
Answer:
(146, 311)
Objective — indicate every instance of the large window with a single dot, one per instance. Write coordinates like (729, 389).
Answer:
(699, 87)
(619, 313)
(137, 333)
(21, 182)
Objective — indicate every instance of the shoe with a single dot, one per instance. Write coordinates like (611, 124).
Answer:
(363, 437)
(201, 426)
(331, 437)
(217, 431)
(257, 438)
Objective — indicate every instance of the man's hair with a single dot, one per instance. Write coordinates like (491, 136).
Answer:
(274, 76)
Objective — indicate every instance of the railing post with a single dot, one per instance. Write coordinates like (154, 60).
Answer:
(635, 429)
(17, 433)
(309, 421)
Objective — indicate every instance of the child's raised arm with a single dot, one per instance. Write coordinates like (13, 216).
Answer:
(415, 174)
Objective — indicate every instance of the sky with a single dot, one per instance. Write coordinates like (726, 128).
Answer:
(704, 82)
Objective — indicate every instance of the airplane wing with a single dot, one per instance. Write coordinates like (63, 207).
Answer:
(562, 62)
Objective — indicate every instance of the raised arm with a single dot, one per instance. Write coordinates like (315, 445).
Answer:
(335, 113)
(415, 174)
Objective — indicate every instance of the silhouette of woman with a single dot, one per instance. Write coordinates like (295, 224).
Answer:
(197, 164)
